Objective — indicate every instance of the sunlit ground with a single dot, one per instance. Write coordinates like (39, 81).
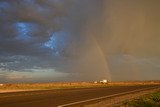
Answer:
(69, 85)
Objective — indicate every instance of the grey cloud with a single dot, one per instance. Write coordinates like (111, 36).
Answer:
(80, 37)
(42, 17)
(131, 67)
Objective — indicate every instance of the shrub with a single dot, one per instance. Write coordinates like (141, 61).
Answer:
(152, 100)
(155, 97)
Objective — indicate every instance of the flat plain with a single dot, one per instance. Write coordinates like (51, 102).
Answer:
(55, 94)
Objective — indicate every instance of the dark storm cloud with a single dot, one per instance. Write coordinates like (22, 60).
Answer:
(87, 39)
(25, 26)
(49, 34)
(32, 19)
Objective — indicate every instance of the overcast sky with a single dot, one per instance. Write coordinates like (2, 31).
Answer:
(79, 40)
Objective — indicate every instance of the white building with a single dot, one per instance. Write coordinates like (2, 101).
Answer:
(1, 84)
(104, 81)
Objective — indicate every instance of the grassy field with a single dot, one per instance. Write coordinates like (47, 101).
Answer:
(150, 100)
(42, 86)
(65, 85)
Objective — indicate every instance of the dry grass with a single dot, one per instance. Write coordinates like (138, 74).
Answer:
(42, 86)
(135, 83)
(65, 85)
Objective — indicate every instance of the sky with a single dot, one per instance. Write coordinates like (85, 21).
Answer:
(79, 40)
